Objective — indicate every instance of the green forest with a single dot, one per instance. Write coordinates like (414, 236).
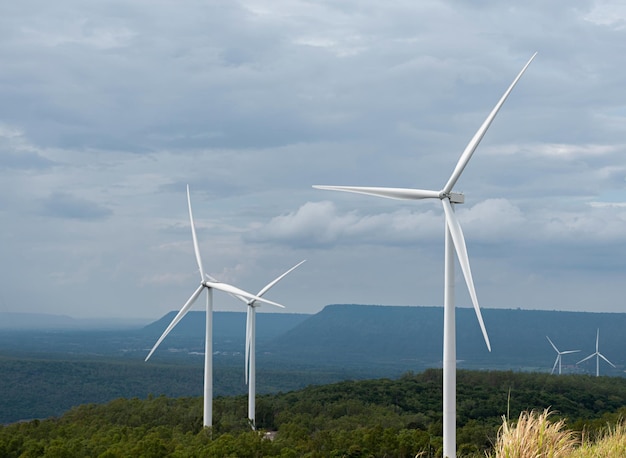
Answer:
(383, 417)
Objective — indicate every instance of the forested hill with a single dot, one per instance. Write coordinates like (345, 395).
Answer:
(394, 418)
(413, 336)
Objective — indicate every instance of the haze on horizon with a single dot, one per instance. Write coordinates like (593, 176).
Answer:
(107, 111)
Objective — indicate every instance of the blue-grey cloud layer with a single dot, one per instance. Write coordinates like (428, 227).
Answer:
(107, 111)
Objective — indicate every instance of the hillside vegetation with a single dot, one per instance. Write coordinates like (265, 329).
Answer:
(34, 387)
(393, 418)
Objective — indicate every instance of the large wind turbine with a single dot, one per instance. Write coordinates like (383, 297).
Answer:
(559, 354)
(250, 360)
(208, 283)
(453, 237)
(598, 355)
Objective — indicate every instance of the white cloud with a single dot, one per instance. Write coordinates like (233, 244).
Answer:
(609, 13)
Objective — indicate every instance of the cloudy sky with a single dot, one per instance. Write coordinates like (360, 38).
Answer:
(109, 109)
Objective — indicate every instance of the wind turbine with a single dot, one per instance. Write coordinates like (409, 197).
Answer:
(453, 238)
(558, 355)
(598, 355)
(208, 283)
(250, 359)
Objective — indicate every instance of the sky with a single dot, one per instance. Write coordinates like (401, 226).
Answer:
(108, 110)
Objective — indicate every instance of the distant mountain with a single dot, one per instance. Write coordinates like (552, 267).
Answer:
(411, 338)
(371, 339)
(338, 343)
(56, 334)
(227, 325)
(10, 320)
(25, 321)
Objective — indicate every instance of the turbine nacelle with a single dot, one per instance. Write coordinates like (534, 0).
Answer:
(454, 197)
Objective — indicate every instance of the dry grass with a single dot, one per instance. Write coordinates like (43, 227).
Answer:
(611, 443)
(534, 436)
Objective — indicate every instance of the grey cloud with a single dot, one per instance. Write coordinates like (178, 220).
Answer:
(253, 102)
(24, 161)
(62, 205)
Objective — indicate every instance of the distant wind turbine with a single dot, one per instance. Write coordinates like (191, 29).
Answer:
(453, 238)
(210, 285)
(558, 355)
(250, 360)
(598, 355)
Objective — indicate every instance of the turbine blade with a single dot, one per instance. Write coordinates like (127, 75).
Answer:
(277, 279)
(478, 136)
(214, 280)
(555, 363)
(604, 358)
(390, 193)
(461, 251)
(239, 292)
(195, 238)
(569, 351)
(179, 316)
(585, 359)
(597, 339)
(553, 346)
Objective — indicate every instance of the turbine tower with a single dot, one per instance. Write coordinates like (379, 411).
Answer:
(208, 283)
(454, 240)
(250, 359)
(598, 355)
(558, 355)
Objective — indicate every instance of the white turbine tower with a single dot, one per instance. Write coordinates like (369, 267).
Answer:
(209, 285)
(453, 237)
(559, 354)
(598, 355)
(250, 359)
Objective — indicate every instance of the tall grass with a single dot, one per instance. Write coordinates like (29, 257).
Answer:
(610, 443)
(533, 435)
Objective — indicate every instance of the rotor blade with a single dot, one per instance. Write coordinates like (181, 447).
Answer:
(553, 346)
(390, 193)
(461, 251)
(569, 351)
(597, 340)
(588, 357)
(215, 280)
(478, 136)
(277, 279)
(239, 292)
(183, 311)
(604, 358)
(195, 238)
(555, 363)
